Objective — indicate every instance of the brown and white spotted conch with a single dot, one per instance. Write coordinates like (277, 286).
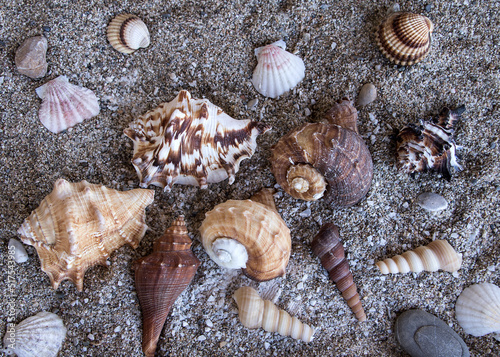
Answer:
(256, 312)
(78, 225)
(325, 160)
(248, 234)
(328, 247)
(190, 141)
(161, 277)
(429, 146)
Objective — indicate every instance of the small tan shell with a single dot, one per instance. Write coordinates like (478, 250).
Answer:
(255, 312)
(78, 225)
(438, 255)
(405, 38)
(127, 33)
(478, 310)
(248, 234)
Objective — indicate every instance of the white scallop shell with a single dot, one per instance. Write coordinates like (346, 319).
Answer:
(478, 310)
(127, 33)
(277, 70)
(64, 104)
(41, 335)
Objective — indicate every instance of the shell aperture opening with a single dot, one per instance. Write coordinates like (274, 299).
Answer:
(229, 253)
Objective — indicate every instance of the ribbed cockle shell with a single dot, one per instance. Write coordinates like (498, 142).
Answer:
(316, 160)
(248, 234)
(190, 141)
(127, 33)
(161, 277)
(405, 38)
(437, 255)
(78, 225)
(255, 312)
(329, 249)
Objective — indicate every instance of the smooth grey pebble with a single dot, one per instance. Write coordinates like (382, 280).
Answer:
(367, 94)
(18, 251)
(432, 201)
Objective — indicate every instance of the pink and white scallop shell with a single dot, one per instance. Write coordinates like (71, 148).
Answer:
(64, 104)
(277, 70)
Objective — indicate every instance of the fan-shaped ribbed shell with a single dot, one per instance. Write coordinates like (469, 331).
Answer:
(249, 228)
(190, 141)
(405, 38)
(438, 255)
(329, 249)
(41, 335)
(161, 277)
(127, 33)
(64, 104)
(429, 146)
(78, 225)
(277, 70)
(339, 155)
(478, 310)
(255, 312)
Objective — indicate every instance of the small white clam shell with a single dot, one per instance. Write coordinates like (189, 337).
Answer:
(478, 309)
(16, 249)
(41, 335)
(64, 104)
(277, 70)
(127, 33)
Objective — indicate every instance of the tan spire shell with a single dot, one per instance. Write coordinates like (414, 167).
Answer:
(325, 160)
(328, 247)
(405, 38)
(256, 312)
(254, 236)
(161, 277)
(78, 225)
(438, 255)
(190, 141)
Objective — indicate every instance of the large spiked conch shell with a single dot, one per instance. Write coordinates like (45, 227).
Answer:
(329, 249)
(190, 141)
(161, 277)
(478, 310)
(248, 234)
(127, 33)
(255, 312)
(41, 335)
(405, 38)
(330, 160)
(64, 104)
(438, 255)
(277, 70)
(79, 225)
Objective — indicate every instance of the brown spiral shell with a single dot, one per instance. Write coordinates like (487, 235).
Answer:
(316, 160)
(161, 277)
(328, 247)
(405, 38)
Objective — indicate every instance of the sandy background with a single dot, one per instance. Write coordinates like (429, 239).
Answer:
(207, 47)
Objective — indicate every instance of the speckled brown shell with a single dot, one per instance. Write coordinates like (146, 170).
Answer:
(161, 277)
(190, 141)
(405, 38)
(339, 155)
(328, 247)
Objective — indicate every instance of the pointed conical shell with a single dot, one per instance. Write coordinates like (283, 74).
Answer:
(405, 38)
(190, 141)
(78, 225)
(249, 235)
(41, 335)
(161, 277)
(255, 312)
(277, 70)
(478, 310)
(438, 255)
(64, 104)
(127, 33)
(329, 249)
(337, 154)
